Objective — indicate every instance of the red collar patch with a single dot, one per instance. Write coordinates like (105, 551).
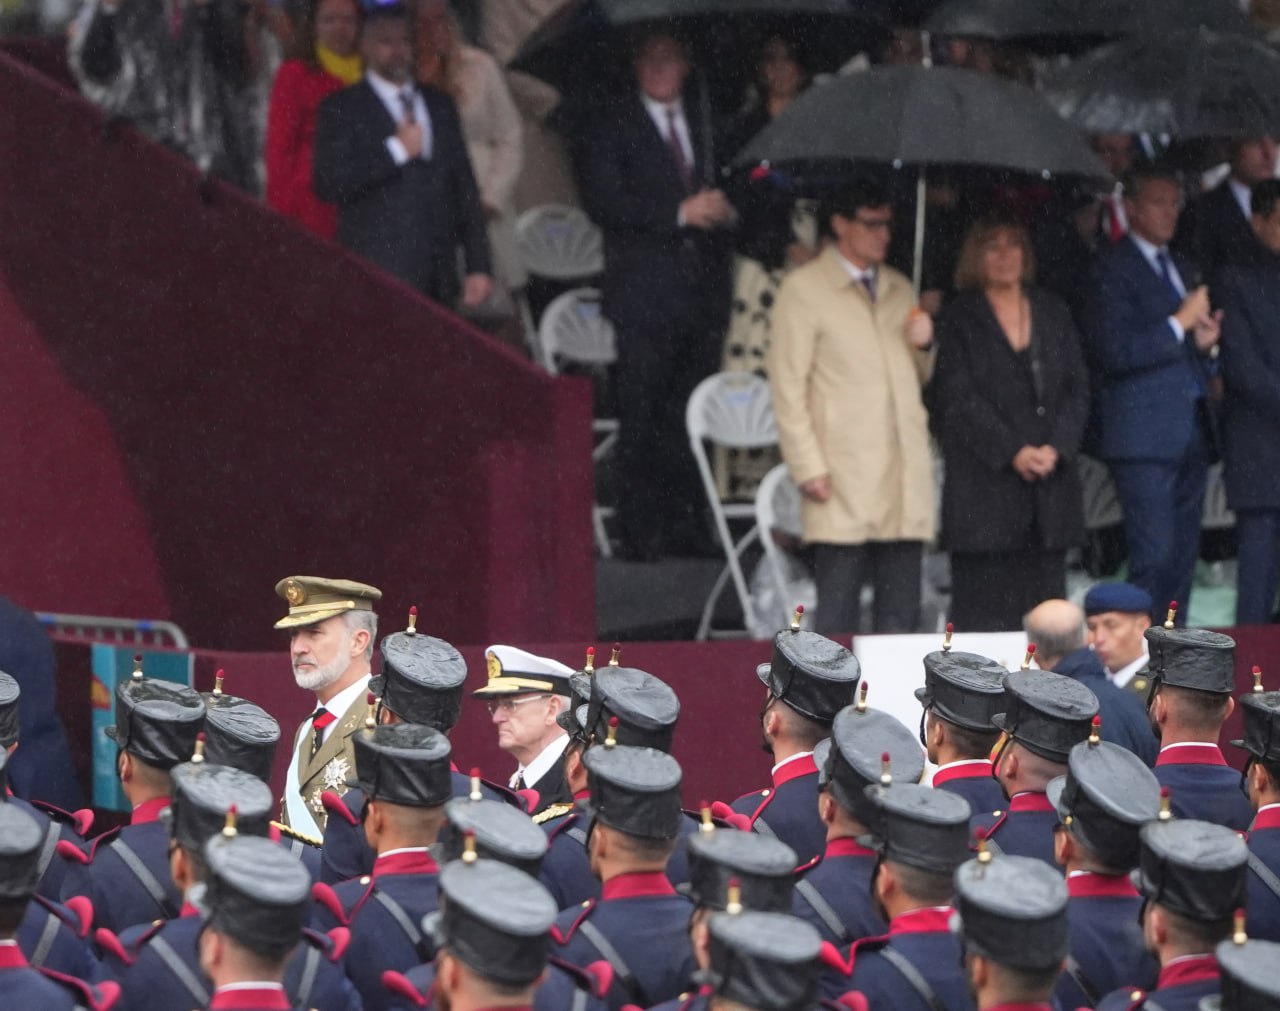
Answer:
(272, 997)
(1023, 802)
(846, 847)
(405, 863)
(921, 921)
(636, 885)
(1100, 886)
(1265, 819)
(11, 957)
(148, 811)
(803, 766)
(1191, 754)
(977, 769)
(1195, 969)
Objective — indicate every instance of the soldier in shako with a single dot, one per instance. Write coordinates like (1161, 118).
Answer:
(1102, 803)
(1261, 711)
(761, 961)
(1250, 974)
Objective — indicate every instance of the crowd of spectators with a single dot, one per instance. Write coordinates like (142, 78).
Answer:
(1136, 323)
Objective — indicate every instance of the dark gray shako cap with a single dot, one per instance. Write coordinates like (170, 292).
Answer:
(1250, 974)
(1193, 868)
(403, 763)
(1047, 713)
(201, 795)
(10, 694)
(763, 867)
(1012, 910)
(1105, 798)
(494, 919)
(156, 721)
(860, 738)
(766, 961)
(501, 831)
(255, 891)
(963, 688)
(645, 706)
(814, 675)
(1191, 658)
(422, 678)
(21, 840)
(1261, 713)
(239, 733)
(634, 790)
(919, 826)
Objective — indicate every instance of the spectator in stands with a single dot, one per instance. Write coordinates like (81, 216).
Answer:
(1116, 152)
(647, 174)
(1057, 627)
(1066, 240)
(1117, 615)
(175, 71)
(1251, 376)
(391, 154)
(1009, 398)
(1214, 230)
(1151, 333)
(491, 126)
(327, 59)
(850, 353)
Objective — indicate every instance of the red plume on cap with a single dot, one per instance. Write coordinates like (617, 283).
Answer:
(475, 771)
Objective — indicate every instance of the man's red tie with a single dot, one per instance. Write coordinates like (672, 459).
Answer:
(320, 719)
(1116, 225)
(677, 149)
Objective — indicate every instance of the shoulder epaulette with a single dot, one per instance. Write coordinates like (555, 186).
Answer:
(81, 821)
(398, 983)
(597, 977)
(95, 996)
(332, 802)
(851, 1001)
(328, 899)
(723, 812)
(564, 936)
(567, 820)
(554, 811)
(830, 955)
(293, 833)
(76, 854)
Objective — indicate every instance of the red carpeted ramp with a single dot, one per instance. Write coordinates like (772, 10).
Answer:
(199, 399)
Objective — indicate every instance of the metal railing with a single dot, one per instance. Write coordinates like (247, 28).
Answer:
(90, 628)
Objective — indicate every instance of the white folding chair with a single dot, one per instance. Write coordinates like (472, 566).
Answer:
(730, 409)
(573, 329)
(777, 508)
(1101, 500)
(1217, 514)
(556, 243)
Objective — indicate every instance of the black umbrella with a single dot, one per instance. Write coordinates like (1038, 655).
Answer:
(1060, 24)
(925, 116)
(1188, 84)
(583, 47)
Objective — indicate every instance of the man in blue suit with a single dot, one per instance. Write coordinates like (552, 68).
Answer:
(1151, 335)
(1251, 377)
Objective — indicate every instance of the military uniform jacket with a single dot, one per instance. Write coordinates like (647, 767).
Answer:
(834, 894)
(53, 936)
(699, 1000)
(1202, 785)
(267, 998)
(565, 988)
(1263, 907)
(383, 912)
(1182, 985)
(346, 853)
(31, 989)
(57, 826)
(1024, 828)
(125, 873)
(1106, 949)
(332, 766)
(916, 967)
(158, 967)
(973, 781)
(640, 926)
(788, 809)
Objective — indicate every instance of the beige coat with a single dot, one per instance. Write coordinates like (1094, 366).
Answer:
(846, 391)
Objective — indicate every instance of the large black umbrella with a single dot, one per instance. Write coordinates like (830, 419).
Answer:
(925, 116)
(1187, 84)
(583, 47)
(1057, 24)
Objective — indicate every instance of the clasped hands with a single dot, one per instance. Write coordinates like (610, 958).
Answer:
(1034, 463)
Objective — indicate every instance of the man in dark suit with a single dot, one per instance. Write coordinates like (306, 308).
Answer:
(645, 176)
(1151, 335)
(391, 155)
(1215, 230)
(1251, 376)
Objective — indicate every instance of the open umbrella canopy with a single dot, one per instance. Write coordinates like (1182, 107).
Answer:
(1065, 24)
(1188, 84)
(584, 47)
(925, 116)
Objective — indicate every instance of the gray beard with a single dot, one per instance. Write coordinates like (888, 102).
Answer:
(314, 679)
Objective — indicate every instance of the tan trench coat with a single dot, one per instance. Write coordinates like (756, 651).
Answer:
(846, 390)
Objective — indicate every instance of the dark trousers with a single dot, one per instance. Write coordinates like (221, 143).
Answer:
(892, 568)
(992, 590)
(1163, 503)
(1258, 572)
(661, 498)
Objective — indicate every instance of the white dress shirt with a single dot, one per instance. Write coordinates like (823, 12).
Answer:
(300, 816)
(1243, 195)
(542, 763)
(1151, 252)
(391, 96)
(858, 275)
(1126, 673)
(660, 113)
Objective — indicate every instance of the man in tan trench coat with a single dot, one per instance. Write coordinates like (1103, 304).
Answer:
(849, 356)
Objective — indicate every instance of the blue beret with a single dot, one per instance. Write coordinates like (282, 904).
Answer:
(1123, 597)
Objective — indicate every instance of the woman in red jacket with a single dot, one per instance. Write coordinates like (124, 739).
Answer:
(327, 60)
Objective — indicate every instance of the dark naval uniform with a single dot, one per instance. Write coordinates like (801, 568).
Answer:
(53, 936)
(1024, 828)
(834, 894)
(817, 677)
(264, 997)
(972, 780)
(1107, 950)
(1261, 712)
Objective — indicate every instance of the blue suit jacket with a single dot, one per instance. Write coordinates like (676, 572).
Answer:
(1204, 792)
(1146, 382)
(1264, 905)
(1106, 940)
(1124, 718)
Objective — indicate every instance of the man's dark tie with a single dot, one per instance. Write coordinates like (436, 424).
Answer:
(320, 719)
(1166, 271)
(407, 103)
(869, 282)
(677, 149)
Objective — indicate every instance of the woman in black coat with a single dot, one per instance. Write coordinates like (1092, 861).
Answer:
(1009, 400)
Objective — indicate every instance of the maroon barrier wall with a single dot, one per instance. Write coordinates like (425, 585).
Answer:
(717, 741)
(200, 399)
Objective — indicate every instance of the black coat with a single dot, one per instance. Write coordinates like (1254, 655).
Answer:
(409, 219)
(1251, 377)
(658, 276)
(986, 406)
(1214, 232)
